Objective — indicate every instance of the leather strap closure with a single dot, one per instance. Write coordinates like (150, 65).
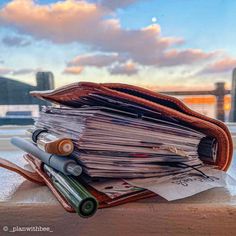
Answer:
(31, 176)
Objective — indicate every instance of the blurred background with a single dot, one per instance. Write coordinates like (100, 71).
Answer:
(182, 48)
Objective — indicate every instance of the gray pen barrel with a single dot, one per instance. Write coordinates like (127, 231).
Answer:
(64, 164)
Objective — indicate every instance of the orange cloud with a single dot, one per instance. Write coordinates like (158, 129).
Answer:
(224, 65)
(96, 60)
(74, 70)
(187, 56)
(63, 21)
(113, 62)
(128, 68)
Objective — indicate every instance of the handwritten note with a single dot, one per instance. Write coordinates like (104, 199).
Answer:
(184, 185)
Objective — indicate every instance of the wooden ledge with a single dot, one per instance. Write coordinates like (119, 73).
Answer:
(23, 203)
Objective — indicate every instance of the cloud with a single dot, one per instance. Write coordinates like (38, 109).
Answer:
(187, 56)
(128, 68)
(10, 71)
(226, 64)
(74, 70)
(96, 60)
(4, 71)
(2, 61)
(88, 23)
(15, 41)
(61, 22)
(25, 71)
(115, 64)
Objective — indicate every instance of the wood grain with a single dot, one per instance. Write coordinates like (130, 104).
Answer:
(130, 219)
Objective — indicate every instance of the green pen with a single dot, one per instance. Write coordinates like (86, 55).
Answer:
(80, 199)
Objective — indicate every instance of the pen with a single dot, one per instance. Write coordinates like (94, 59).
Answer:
(50, 143)
(66, 165)
(80, 199)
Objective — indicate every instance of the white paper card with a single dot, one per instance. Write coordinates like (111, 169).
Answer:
(185, 185)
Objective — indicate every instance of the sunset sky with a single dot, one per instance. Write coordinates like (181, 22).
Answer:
(161, 44)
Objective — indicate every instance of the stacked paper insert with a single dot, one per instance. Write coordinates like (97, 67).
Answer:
(120, 144)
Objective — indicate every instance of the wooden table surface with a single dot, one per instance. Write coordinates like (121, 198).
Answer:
(212, 212)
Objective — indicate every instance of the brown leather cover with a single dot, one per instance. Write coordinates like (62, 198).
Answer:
(40, 177)
(167, 105)
(104, 201)
(31, 176)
